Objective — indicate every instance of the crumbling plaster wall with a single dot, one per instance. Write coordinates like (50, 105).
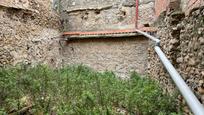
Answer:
(27, 31)
(93, 15)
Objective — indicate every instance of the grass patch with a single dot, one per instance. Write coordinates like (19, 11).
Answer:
(79, 90)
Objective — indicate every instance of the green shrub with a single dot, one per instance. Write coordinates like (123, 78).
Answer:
(80, 90)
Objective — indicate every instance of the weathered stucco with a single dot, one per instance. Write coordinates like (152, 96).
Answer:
(93, 15)
(89, 15)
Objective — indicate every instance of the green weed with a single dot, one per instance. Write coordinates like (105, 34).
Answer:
(78, 90)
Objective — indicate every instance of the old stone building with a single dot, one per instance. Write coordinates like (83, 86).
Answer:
(27, 33)
(121, 55)
(30, 33)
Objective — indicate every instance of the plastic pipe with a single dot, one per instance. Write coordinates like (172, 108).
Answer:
(192, 101)
(157, 41)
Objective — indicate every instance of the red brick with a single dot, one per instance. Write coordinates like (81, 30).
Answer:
(160, 6)
(193, 4)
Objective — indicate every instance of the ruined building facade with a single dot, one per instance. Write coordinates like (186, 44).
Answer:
(30, 33)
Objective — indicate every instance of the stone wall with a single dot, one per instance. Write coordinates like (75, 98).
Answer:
(183, 5)
(191, 4)
(146, 12)
(182, 40)
(93, 15)
(27, 28)
(160, 6)
(28, 31)
(120, 55)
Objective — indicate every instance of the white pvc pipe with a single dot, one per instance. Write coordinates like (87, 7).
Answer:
(192, 101)
(148, 36)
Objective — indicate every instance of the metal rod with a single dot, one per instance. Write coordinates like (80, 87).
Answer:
(136, 13)
(192, 101)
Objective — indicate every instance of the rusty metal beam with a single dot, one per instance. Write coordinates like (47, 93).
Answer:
(99, 32)
(109, 32)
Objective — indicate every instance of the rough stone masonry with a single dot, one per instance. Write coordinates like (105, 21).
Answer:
(27, 31)
(182, 40)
